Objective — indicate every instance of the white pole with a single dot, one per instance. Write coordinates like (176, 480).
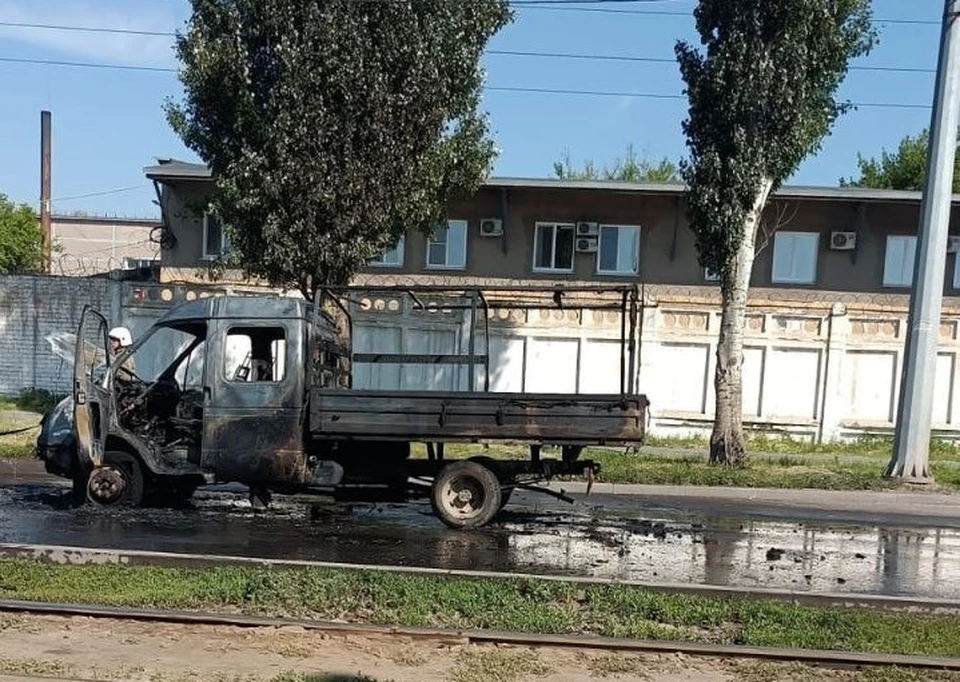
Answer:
(915, 410)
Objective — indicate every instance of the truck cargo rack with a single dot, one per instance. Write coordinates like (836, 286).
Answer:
(626, 300)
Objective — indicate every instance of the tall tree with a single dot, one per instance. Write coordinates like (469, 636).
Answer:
(762, 96)
(332, 126)
(20, 238)
(906, 168)
(631, 168)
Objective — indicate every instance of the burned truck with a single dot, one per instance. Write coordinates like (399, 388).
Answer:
(259, 390)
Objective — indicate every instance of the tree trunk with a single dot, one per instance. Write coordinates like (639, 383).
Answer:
(726, 441)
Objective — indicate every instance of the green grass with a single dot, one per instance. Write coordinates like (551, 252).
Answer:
(17, 445)
(525, 605)
(787, 471)
(878, 447)
(22, 412)
(750, 671)
(822, 472)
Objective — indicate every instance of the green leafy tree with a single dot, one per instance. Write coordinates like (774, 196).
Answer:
(332, 126)
(904, 169)
(762, 90)
(21, 241)
(631, 168)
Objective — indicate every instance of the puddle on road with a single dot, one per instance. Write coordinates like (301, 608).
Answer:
(530, 537)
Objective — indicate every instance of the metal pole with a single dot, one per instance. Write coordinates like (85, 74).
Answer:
(472, 343)
(632, 341)
(45, 209)
(915, 410)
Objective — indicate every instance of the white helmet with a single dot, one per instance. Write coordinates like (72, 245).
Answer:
(121, 334)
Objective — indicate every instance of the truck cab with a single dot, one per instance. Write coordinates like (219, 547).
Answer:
(216, 390)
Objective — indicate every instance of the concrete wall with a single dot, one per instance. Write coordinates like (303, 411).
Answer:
(816, 364)
(33, 307)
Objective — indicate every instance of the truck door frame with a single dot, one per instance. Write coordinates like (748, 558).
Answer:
(253, 428)
(91, 401)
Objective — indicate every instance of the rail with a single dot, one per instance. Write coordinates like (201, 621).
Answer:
(466, 636)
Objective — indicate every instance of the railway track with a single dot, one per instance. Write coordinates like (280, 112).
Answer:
(59, 554)
(451, 636)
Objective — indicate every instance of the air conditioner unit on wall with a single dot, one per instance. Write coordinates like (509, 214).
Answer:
(953, 244)
(843, 241)
(588, 229)
(491, 227)
(587, 244)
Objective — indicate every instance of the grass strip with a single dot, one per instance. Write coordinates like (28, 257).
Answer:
(785, 472)
(523, 605)
(819, 472)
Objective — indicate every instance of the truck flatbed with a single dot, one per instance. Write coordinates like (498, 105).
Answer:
(477, 417)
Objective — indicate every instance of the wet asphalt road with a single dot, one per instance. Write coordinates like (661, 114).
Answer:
(601, 536)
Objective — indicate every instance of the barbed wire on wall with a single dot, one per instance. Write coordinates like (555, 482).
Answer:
(89, 263)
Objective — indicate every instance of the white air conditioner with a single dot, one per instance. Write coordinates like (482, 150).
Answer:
(588, 229)
(587, 244)
(843, 241)
(953, 244)
(491, 227)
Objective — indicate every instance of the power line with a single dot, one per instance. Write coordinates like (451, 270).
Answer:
(527, 4)
(530, 90)
(98, 194)
(507, 53)
(674, 13)
(87, 65)
(648, 95)
(86, 29)
(666, 60)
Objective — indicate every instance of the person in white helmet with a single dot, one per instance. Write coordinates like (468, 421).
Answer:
(121, 338)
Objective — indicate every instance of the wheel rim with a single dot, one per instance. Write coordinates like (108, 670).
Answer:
(463, 497)
(108, 484)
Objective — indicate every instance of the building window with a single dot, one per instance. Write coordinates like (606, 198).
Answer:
(898, 263)
(392, 258)
(956, 271)
(447, 248)
(216, 243)
(795, 257)
(619, 252)
(553, 247)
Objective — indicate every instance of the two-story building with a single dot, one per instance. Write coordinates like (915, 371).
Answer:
(828, 302)
(86, 245)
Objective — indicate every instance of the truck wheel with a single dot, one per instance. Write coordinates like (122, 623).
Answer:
(118, 482)
(465, 495)
(505, 494)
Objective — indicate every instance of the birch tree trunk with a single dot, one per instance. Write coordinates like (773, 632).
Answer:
(726, 441)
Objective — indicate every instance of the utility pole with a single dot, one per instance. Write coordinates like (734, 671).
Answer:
(915, 410)
(45, 208)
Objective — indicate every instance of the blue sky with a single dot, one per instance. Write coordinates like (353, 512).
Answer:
(109, 124)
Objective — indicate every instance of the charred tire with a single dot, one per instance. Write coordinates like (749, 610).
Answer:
(465, 495)
(506, 482)
(118, 482)
(505, 494)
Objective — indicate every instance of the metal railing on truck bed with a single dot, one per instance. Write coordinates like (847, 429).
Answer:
(340, 305)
